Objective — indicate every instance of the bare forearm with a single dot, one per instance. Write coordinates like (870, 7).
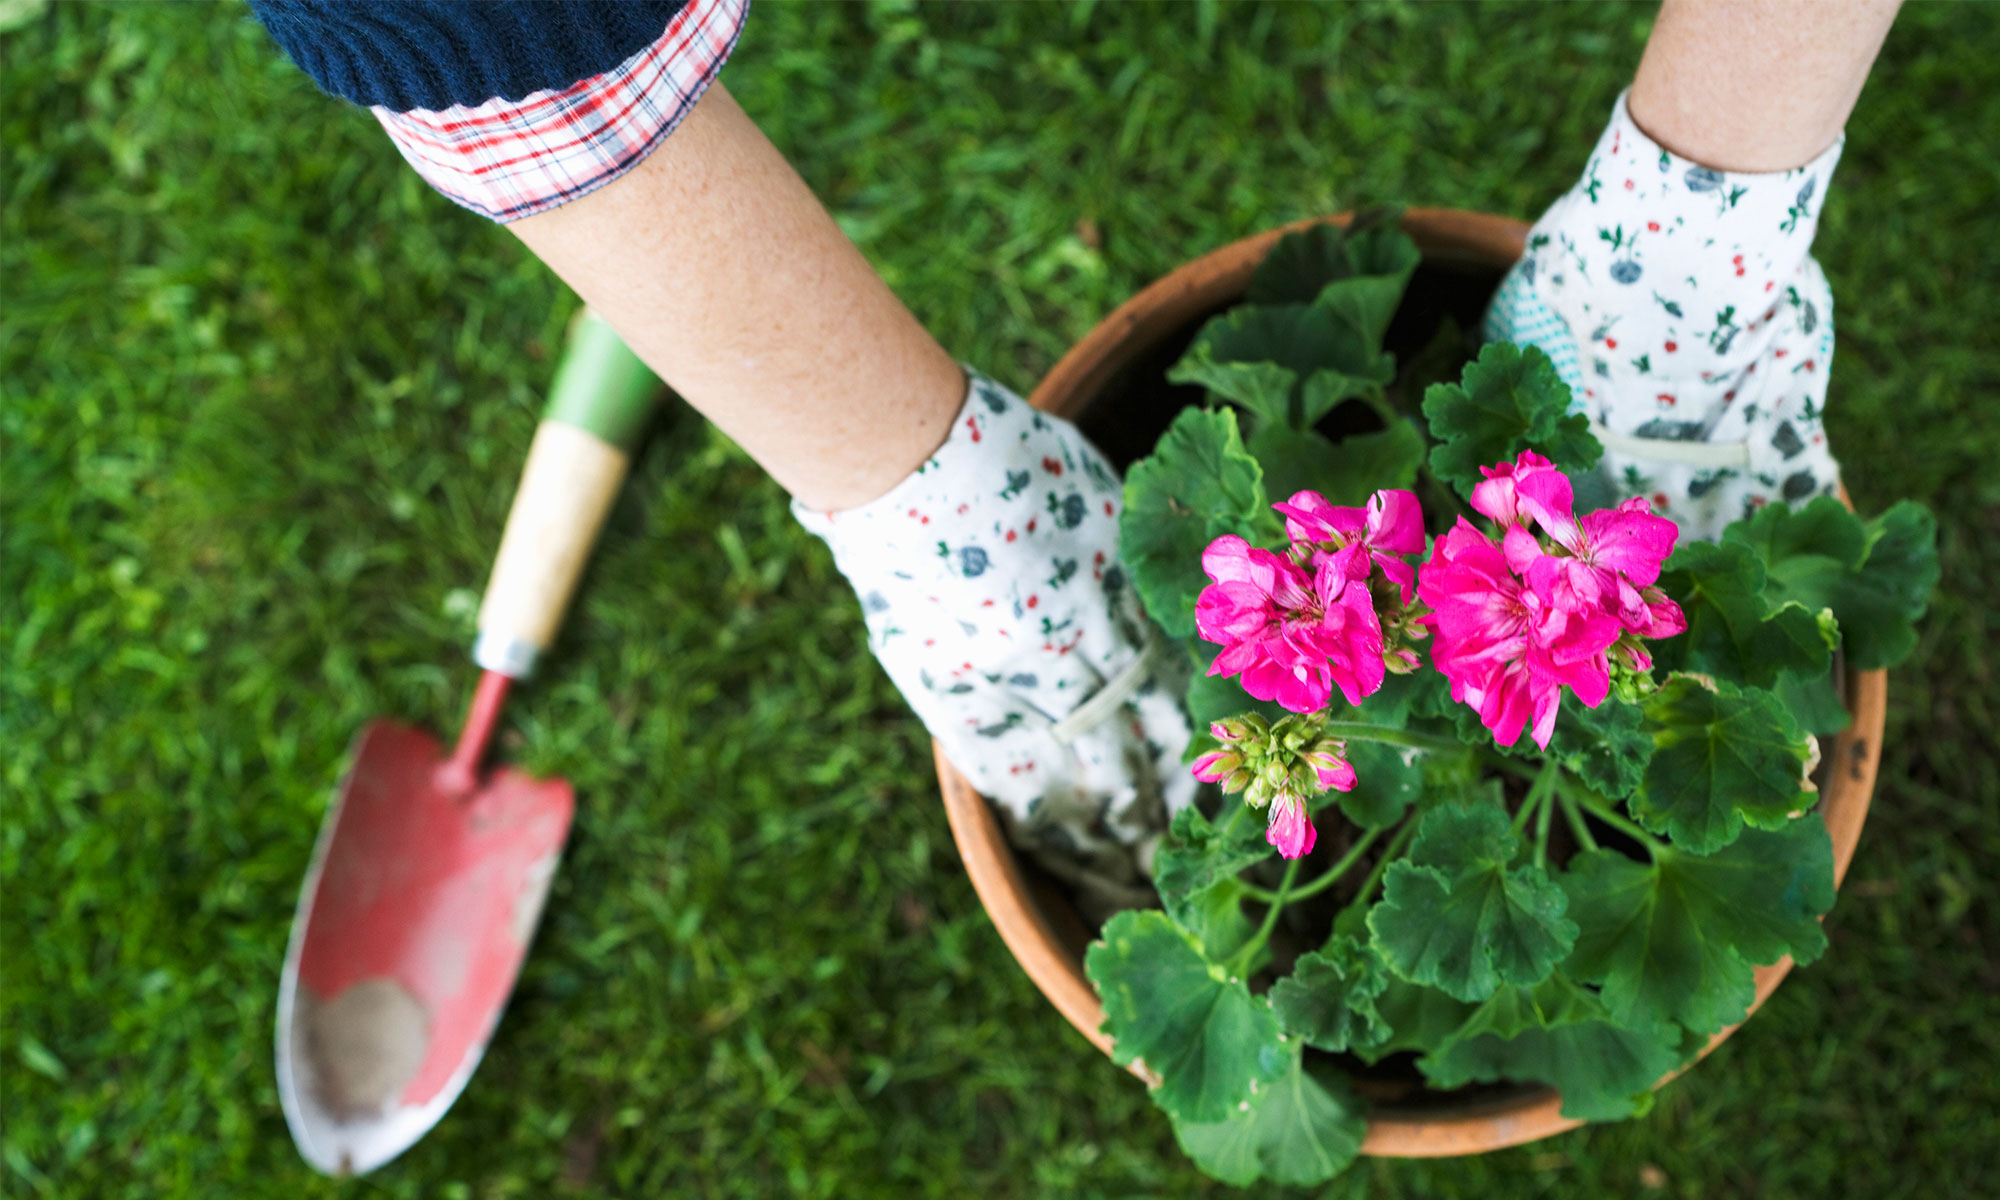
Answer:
(723, 272)
(1756, 85)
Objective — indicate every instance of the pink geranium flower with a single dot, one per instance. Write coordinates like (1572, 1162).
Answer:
(1622, 548)
(1614, 554)
(1518, 621)
(1499, 496)
(1507, 647)
(1392, 524)
(1291, 636)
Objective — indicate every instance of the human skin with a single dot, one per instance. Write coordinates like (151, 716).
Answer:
(1755, 85)
(722, 271)
(719, 268)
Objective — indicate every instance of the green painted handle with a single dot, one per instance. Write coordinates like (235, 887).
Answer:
(601, 386)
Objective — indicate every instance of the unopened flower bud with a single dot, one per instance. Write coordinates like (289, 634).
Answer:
(1291, 830)
(1237, 729)
(1217, 766)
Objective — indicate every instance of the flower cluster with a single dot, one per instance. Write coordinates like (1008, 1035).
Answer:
(1278, 766)
(1519, 618)
(1547, 600)
(1297, 625)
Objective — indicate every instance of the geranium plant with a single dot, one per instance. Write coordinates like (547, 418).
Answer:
(1515, 788)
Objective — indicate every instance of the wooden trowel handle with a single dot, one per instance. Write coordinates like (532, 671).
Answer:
(598, 408)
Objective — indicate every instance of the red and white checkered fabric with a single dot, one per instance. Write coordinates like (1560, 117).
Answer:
(508, 159)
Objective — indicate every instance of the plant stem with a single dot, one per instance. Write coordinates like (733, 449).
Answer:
(1601, 808)
(1362, 731)
(1239, 962)
(1542, 821)
(1389, 854)
(1545, 782)
(1577, 825)
(1338, 869)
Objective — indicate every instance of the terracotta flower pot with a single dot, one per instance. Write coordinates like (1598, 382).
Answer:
(1037, 920)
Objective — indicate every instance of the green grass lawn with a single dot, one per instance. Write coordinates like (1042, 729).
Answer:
(265, 401)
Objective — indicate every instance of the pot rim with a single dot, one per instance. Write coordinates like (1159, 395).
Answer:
(1038, 924)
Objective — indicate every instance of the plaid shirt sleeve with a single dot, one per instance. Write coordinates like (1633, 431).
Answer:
(509, 159)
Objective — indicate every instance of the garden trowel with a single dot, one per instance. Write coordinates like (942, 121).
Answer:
(430, 872)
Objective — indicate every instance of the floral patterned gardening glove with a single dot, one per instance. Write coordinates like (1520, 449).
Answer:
(1683, 309)
(995, 600)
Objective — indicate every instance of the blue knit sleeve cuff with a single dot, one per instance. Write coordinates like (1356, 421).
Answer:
(402, 55)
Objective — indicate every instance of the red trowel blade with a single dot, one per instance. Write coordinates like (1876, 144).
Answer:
(411, 929)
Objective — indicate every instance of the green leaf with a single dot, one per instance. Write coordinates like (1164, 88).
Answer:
(1456, 916)
(1387, 780)
(1244, 353)
(1384, 259)
(1263, 389)
(1366, 303)
(1559, 1034)
(1345, 472)
(1207, 1038)
(1302, 1130)
(1813, 703)
(1214, 915)
(1300, 264)
(1368, 462)
(1396, 702)
(1510, 399)
(1607, 747)
(1734, 632)
(1195, 873)
(1293, 461)
(1327, 389)
(1876, 576)
(1677, 940)
(1329, 998)
(1431, 699)
(1722, 756)
(1359, 273)
(1197, 485)
(1423, 1019)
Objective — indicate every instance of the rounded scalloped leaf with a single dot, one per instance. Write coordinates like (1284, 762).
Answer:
(1329, 998)
(1723, 757)
(1678, 940)
(1300, 1131)
(1509, 399)
(1210, 1042)
(1458, 918)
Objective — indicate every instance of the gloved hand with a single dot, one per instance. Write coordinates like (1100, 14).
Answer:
(1684, 310)
(996, 602)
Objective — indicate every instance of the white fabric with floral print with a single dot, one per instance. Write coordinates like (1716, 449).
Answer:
(1683, 308)
(995, 600)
